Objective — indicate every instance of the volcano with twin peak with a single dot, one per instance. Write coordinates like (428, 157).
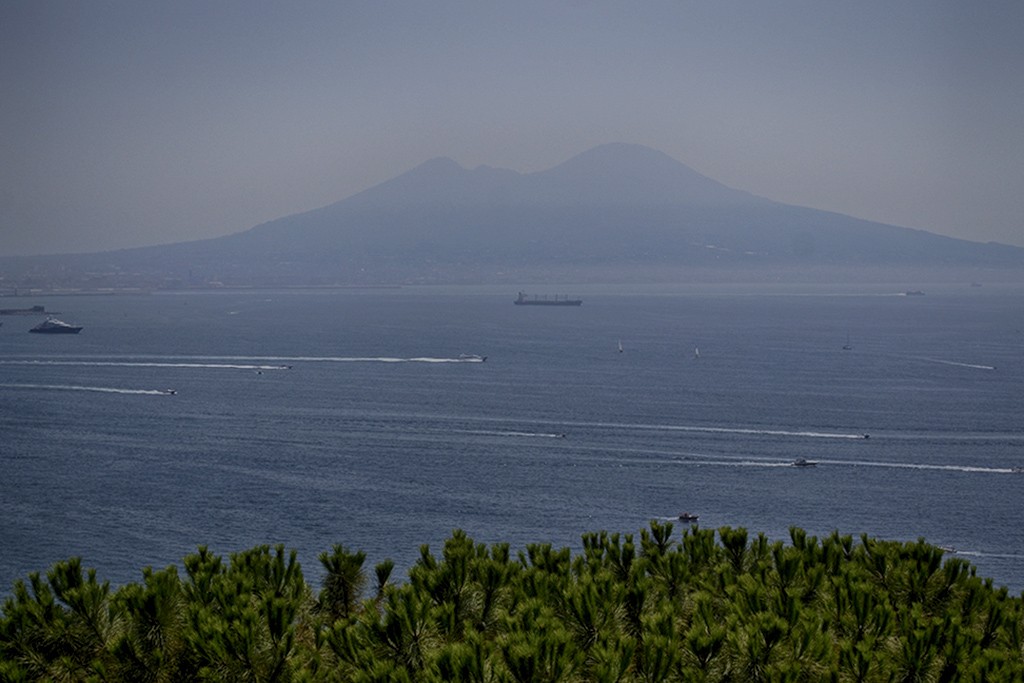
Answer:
(618, 211)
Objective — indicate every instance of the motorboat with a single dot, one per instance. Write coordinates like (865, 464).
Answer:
(54, 326)
(688, 517)
(800, 462)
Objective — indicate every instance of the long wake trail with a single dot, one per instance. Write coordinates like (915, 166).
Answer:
(103, 390)
(242, 362)
(974, 366)
(355, 359)
(145, 364)
(726, 430)
(488, 432)
(920, 466)
(726, 461)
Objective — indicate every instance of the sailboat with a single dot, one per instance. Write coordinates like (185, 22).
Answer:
(696, 352)
(620, 346)
(846, 346)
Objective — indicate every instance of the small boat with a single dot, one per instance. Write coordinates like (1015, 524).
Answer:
(800, 462)
(54, 326)
(688, 517)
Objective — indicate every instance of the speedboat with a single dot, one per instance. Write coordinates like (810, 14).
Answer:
(472, 357)
(800, 462)
(688, 517)
(54, 326)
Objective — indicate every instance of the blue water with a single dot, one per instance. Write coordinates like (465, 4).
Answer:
(347, 416)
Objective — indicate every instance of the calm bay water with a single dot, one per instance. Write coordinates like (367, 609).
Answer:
(347, 416)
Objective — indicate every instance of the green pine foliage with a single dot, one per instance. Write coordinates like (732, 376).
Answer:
(703, 606)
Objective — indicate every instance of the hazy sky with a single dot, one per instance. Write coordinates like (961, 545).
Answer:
(134, 123)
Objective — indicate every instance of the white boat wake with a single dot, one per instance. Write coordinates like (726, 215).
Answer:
(146, 364)
(386, 359)
(240, 362)
(974, 366)
(484, 432)
(754, 462)
(978, 553)
(578, 426)
(731, 430)
(917, 466)
(104, 390)
(696, 460)
(358, 359)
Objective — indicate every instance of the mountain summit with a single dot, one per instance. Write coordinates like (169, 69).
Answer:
(617, 210)
(613, 174)
(620, 173)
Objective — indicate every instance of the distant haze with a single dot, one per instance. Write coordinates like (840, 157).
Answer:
(127, 124)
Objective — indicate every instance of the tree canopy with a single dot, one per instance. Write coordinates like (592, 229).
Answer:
(698, 606)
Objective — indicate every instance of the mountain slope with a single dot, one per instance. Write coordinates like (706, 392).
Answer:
(614, 208)
(613, 205)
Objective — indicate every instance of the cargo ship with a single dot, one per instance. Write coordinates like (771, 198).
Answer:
(555, 300)
(35, 310)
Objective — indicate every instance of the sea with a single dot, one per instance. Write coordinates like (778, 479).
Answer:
(369, 418)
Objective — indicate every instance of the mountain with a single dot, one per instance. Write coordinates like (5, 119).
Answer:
(616, 211)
